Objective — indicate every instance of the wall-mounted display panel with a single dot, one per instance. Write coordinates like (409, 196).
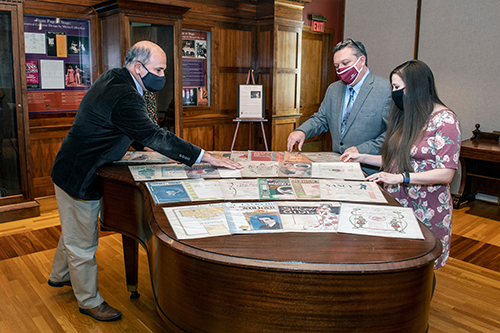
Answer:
(58, 62)
(195, 68)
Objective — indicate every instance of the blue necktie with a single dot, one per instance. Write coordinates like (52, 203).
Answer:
(347, 111)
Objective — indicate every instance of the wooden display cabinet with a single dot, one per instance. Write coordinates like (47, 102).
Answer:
(480, 161)
(16, 190)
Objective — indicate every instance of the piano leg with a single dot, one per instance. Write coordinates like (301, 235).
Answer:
(131, 255)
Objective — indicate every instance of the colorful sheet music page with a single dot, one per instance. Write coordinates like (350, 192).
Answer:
(295, 169)
(276, 189)
(172, 171)
(309, 216)
(168, 192)
(356, 191)
(198, 221)
(306, 189)
(253, 217)
(379, 220)
(259, 169)
(144, 172)
(268, 156)
(296, 157)
(202, 171)
(239, 156)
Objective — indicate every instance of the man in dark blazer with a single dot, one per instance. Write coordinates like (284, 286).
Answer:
(356, 123)
(112, 114)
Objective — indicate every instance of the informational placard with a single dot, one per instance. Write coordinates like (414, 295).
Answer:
(251, 101)
(58, 62)
(195, 68)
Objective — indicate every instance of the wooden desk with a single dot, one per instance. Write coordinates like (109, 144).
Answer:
(480, 163)
(286, 282)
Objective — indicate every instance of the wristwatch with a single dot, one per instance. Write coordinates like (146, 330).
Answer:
(406, 178)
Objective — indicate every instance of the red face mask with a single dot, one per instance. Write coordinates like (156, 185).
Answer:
(349, 74)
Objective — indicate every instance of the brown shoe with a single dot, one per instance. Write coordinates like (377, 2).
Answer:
(103, 312)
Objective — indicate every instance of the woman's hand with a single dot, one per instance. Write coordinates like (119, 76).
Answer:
(385, 177)
(351, 154)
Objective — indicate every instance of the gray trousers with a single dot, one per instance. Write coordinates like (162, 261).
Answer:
(75, 254)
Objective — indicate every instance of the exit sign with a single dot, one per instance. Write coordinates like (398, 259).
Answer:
(318, 26)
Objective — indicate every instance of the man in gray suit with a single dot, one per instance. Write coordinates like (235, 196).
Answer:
(354, 109)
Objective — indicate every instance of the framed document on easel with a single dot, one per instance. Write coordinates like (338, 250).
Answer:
(251, 106)
(251, 101)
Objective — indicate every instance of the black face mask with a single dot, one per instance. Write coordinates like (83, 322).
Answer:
(151, 81)
(398, 98)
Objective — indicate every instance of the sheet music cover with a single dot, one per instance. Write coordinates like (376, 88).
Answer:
(171, 171)
(168, 192)
(357, 191)
(144, 172)
(201, 190)
(265, 156)
(309, 216)
(204, 170)
(259, 169)
(338, 170)
(145, 157)
(322, 156)
(239, 156)
(296, 157)
(197, 221)
(221, 153)
(379, 220)
(275, 189)
(229, 173)
(306, 189)
(240, 189)
(295, 169)
(253, 217)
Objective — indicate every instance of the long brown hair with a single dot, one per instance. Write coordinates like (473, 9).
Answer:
(405, 127)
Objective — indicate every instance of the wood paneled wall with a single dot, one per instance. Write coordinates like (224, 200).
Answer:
(264, 35)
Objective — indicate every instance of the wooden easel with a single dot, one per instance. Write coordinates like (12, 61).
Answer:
(250, 120)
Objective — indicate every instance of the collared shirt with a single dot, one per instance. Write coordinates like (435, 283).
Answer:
(356, 88)
(141, 91)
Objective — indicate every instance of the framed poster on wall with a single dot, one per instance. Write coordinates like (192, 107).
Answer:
(195, 68)
(58, 63)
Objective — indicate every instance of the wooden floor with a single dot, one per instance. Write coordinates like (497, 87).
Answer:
(467, 296)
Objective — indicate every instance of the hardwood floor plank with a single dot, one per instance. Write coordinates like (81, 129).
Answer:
(467, 296)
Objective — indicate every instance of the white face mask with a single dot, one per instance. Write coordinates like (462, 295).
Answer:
(349, 74)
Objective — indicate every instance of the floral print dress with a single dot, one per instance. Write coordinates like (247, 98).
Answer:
(432, 205)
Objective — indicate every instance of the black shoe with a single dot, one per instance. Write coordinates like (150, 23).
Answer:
(59, 284)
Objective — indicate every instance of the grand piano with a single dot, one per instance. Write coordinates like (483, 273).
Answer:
(286, 282)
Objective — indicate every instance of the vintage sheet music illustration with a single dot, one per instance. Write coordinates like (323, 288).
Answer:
(378, 220)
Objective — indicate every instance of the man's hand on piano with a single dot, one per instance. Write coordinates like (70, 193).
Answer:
(220, 161)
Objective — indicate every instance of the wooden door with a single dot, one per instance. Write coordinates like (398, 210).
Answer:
(316, 75)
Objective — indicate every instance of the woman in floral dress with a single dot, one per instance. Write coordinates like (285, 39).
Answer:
(420, 152)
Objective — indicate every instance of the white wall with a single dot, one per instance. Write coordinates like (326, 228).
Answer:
(458, 40)
(386, 27)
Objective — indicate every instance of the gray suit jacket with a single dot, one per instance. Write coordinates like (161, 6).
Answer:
(367, 123)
